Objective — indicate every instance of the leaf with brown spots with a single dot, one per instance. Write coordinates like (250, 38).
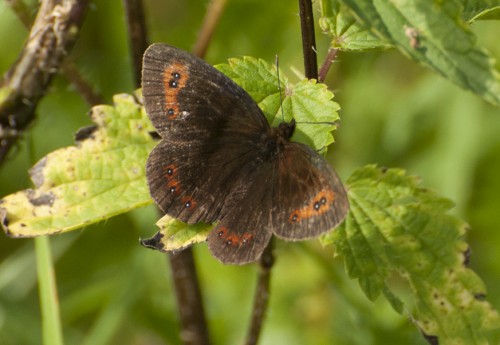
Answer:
(102, 176)
(396, 227)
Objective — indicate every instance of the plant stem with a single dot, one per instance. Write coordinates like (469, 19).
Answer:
(49, 304)
(191, 312)
(137, 36)
(325, 67)
(82, 86)
(308, 39)
(261, 294)
(212, 16)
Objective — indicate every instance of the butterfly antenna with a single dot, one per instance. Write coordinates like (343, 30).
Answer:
(279, 88)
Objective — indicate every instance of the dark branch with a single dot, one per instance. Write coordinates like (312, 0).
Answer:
(189, 302)
(68, 68)
(261, 295)
(308, 39)
(137, 35)
(53, 34)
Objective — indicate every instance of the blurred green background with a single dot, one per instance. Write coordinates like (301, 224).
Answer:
(394, 113)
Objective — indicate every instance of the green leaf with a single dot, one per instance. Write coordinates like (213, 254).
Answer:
(396, 226)
(481, 10)
(347, 33)
(432, 33)
(176, 235)
(309, 103)
(102, 176)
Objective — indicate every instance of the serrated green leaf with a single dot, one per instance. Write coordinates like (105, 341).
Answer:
(257, 77)
(347, 33)
(481, 10)
(434, 34)
(102, 176)
(395, 226)
(309, 103)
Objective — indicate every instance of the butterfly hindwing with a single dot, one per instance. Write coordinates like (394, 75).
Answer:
(244, 229)
(309, 198)
(296, 196)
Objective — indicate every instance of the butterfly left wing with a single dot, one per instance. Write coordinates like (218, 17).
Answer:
(308, 198)
(209, 126)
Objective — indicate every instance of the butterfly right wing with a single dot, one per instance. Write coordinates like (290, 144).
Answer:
(308, 198)
(295, 196)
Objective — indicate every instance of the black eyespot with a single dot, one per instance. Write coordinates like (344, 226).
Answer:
(322, 200)
(172, 189)
(170, 111)
(221, 233)
(176, 75)
(173, 83)
(316, 205)
(229, 242)
(170, 171)
(188, 204)
(294, 218)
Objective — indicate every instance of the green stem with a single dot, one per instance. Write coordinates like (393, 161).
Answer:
(49, 304)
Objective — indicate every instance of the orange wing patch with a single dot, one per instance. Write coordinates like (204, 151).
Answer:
(232, 239)
(317, 206)
(174, 186)
(175, 77)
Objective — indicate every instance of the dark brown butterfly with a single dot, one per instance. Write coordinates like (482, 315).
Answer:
(220, 161)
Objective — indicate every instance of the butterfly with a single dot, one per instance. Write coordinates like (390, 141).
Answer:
(220, 161)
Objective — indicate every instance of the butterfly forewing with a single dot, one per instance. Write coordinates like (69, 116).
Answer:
(188, 99)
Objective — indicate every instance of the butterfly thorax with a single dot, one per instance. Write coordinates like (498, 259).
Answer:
(286, 129)
(272, 142)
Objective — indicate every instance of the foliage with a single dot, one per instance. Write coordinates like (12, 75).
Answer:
(394, 112)
(102, 176)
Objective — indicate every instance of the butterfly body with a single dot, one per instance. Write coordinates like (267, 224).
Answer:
(220, 161)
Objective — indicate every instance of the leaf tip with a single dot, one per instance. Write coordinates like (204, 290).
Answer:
(85, 133)
(4, 221)
(154, 242)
